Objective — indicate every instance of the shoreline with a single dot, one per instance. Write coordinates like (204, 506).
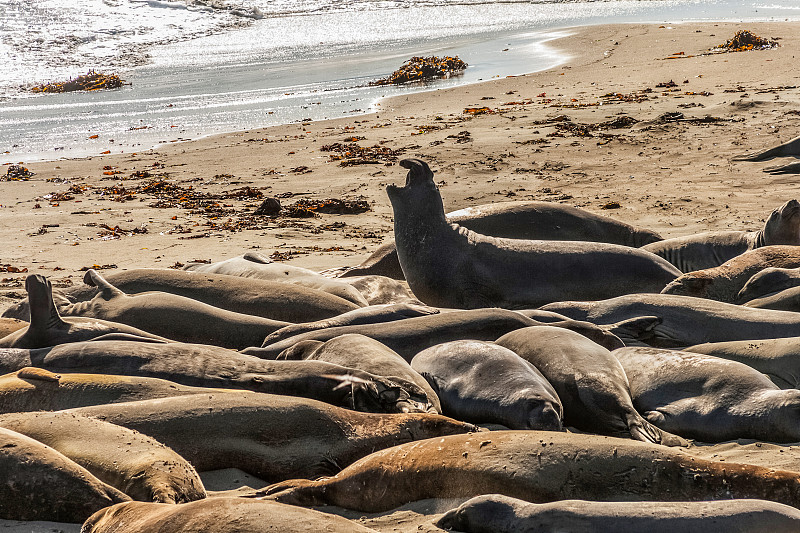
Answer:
(513, 152)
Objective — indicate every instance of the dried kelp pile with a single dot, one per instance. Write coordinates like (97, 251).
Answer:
(91, 81)
(745, 40)
(16, 173)
(424, 68)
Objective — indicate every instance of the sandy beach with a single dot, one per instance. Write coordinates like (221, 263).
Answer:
(550, 136)
(640, 124)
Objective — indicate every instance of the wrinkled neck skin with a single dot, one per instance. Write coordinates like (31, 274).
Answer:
(420, 232)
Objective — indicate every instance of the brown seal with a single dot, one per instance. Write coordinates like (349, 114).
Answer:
(137, 465)
(724, 282)
(269, 436)
(39, 483)
(538, 466)
(217, 515)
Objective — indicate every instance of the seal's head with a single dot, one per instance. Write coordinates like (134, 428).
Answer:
(489, 508)
(783, 225)
(419, 195)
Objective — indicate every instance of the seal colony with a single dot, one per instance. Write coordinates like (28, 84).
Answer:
(381, 401)
(118, 371)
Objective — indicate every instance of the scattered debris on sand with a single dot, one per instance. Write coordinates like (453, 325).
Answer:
(424, 68)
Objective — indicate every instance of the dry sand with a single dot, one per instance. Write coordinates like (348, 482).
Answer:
(673, 177)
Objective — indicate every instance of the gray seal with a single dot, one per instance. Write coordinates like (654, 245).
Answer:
(530, 220)
(589, 380)
(255, 265)
(250, 296)
(685, 320)
(369, 355)
(482, 382)
(494, 513)
(707, 398)
(447, 265)
(176, 317)
(48, 328)
(201, 365)
(768, 281)
(725, 281)
(410, 336)
(708, 250)
(778, 359)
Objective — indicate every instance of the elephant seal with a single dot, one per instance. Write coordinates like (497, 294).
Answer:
(709, 250)
(529, 220)
(482, 382)
(779, 359)
(685, 320)
(724, 282)
(495, 513)
(361, 352)
(47, 328)
(209, 366)
(137, 465)
(768, 281)
(249, 296)
(177, 317)
(41, 484)
(709, 399)
(538, 466)
(10, 325)
(269, 436)
(589, 380)
(785, 300)
(447, 265)
(256, 265)
(787, 149)
(382, 290)
(373, 314)
(410, 336)
(37, 389)
(217, 515)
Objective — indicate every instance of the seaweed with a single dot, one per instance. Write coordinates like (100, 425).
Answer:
(745, 40)
(91, 81)
(424, 68)
(16, 173)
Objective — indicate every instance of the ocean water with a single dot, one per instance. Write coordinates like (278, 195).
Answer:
(199, 67)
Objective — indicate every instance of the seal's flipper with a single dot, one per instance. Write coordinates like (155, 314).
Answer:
(44, 314)
(256, 257)
(107, 290)
(641, 429)
(639, 328)
(300, 350)
(418, 172)
(792, 168)
(787, 149)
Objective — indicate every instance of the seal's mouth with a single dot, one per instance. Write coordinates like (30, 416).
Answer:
(791, 209)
